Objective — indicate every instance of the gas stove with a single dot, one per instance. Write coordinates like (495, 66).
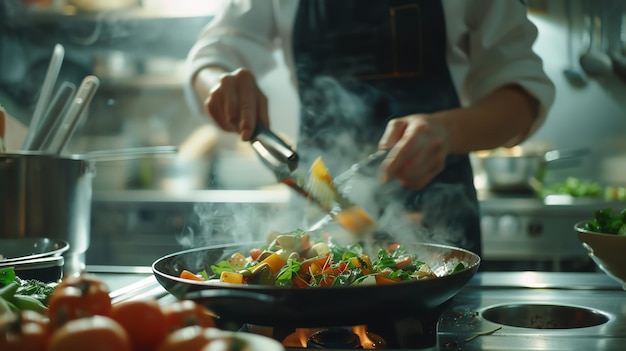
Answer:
(495, 311)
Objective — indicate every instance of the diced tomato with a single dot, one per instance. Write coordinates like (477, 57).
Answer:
(327, 280)
(393, 247)
(403, 261)
(341, 267)
(321, 262)
(255, 253)
(299, 282)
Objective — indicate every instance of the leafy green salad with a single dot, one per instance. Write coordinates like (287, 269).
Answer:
(608, 222)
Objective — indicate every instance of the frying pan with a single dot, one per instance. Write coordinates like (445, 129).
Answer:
(316, 307)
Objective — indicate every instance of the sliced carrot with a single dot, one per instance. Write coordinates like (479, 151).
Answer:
(381, 279)
(185, 274)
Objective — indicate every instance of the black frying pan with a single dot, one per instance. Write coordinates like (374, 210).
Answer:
(316, 307)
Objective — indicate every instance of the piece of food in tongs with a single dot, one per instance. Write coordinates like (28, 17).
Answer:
(352, 217)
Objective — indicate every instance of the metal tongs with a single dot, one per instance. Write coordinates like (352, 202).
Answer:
(280, 158)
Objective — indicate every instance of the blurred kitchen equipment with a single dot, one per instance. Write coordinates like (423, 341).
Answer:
(52, 118)
(595, 62)
(49, 196)
(20, 249)
(128, 153)
(2, 130)
(71, 119)
(616, 41)
(45, 94)
(571, 72)
(47, 269)
(517, 171)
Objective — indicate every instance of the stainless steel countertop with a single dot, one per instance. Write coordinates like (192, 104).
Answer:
(464, 319)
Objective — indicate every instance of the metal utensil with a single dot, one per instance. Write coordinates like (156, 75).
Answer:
(367, 166)
(595, 61)
(71, 119)
(280, 158)
(571, 72)
(52, 119)
(616, 41)
(44, 96)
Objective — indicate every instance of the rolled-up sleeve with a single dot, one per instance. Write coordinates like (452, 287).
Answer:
(500, 52)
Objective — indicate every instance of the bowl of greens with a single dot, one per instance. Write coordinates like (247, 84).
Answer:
(604, 237)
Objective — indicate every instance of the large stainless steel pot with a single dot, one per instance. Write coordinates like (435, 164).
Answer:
(48, 196)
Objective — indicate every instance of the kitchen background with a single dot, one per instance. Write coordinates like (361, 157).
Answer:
(147, 207)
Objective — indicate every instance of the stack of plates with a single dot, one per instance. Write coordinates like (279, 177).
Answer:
(34, 258)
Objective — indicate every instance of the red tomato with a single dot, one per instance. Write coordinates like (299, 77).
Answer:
(144, 322)
(321, 262)
(403, 261)
(26, 331)
(185, 313)
(327, 280)
(77, 297)
(90, 333)
(255, 253)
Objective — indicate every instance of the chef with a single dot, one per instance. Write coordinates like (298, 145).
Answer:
(429, 80)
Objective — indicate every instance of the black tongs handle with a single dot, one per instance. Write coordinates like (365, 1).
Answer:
(275, 146)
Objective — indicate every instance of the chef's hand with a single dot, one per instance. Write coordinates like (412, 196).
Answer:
(419, 146)
(233, 100)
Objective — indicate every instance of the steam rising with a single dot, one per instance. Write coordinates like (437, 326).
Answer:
(337, 121)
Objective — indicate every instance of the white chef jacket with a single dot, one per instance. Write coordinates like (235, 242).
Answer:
(489, 45)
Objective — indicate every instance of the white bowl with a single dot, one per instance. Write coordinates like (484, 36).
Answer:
(606, 250)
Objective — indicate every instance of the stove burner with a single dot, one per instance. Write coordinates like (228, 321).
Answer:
(334, 338)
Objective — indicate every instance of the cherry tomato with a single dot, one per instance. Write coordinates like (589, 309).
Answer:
(24, 331)
(95, 332)
(185, 313)
(144, 322)
(193, 338)
(78, 296)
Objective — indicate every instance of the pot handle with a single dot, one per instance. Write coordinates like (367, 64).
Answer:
(558, 155)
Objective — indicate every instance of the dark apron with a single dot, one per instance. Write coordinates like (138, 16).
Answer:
(361, 63)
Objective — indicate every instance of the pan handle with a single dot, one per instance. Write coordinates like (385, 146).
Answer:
(223, 295)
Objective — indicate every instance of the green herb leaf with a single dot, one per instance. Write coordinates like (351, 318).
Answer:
(7, 276)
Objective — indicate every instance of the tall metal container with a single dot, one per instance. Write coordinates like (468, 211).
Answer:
(45, 195)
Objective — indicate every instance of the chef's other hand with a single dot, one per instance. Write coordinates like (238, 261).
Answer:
(419, 146)
(235, 102)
